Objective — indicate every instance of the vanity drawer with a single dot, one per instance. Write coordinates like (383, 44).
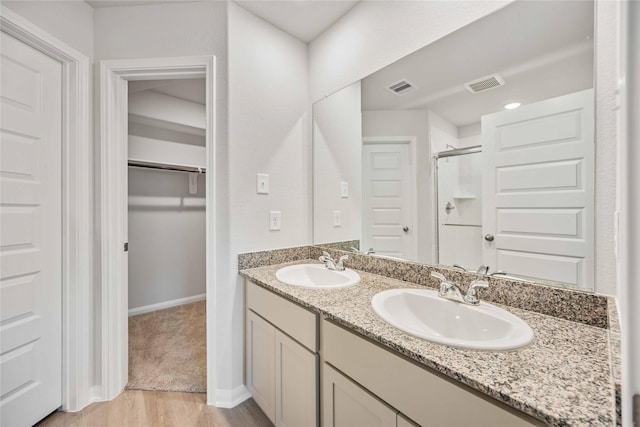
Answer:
(296, 321)
(422, 394)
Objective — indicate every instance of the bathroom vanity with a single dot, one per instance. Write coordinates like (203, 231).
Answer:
(323, 357)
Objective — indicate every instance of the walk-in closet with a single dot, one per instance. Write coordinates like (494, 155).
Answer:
(166, 227)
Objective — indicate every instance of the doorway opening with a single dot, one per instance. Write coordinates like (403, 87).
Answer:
(166, 235)
(158, 201)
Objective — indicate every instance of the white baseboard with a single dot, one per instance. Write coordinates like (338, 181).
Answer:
(230, 398)
(166, 304)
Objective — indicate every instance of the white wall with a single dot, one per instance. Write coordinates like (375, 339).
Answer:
(337, 157)
(411, 123)
(166, 237)
(269, 132)
(69, 21)
(629, 204)
(167, 233)
(441, 133)
(376, 33)
(607, 26)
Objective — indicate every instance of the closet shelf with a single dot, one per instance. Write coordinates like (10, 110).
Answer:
(172, 154)
(177, 168)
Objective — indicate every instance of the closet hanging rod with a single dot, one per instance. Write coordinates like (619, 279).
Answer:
(174, 168)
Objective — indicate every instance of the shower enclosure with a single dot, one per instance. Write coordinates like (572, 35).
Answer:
(459, 207)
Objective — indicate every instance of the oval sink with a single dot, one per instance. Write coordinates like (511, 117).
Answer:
(317, 276)
(422, 313)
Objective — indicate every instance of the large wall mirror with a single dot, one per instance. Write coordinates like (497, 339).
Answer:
(475, 151)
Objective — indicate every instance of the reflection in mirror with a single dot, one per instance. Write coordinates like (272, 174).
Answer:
(476, 150)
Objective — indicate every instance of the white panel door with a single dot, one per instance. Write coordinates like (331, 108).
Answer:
(538, 189)
(388, 223)
(30, 234)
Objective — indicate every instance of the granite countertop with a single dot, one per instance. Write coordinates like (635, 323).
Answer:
(563, 378)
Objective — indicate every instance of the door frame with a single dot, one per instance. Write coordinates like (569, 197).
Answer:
(413, 184)
(113, 197)
(77, 210)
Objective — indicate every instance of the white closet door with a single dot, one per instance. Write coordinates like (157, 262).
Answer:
(388, 225)
(538, 189)
(30, 234)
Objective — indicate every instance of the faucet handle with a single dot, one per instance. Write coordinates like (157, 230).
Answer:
(471, 296)
(325, 257)
(438, 276)
(483, 269)
(341, 261)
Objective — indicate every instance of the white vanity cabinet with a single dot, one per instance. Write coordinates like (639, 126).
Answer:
(260, 357)
(364, 384)
(347, 405)
(413, 392)
(281, 360)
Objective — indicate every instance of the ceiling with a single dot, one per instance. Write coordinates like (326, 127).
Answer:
(120, 3)
(303, 19)
(541, 49)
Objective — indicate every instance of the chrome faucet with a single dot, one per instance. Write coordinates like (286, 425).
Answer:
(331, 263)
(358, 251)
(483, 269)
(471, 297)
(498, 273)
(451, 290)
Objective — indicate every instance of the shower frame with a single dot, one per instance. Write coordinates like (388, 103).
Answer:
(444, 154)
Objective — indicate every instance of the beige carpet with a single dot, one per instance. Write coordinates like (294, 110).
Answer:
(167, 349)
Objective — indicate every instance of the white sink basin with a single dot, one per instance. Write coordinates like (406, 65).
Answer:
(422, 313)
(317, 276)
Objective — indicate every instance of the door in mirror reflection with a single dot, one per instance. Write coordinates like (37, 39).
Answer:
(538, 197)
(387, 198)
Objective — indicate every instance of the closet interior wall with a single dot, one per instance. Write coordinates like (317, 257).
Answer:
(166, 217)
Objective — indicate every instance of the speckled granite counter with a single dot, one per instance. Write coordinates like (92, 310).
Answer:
(564, 377)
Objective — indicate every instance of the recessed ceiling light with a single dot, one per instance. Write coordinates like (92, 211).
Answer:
(512, 105)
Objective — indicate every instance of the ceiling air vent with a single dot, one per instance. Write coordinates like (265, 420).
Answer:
(484, 83)
(402, 87)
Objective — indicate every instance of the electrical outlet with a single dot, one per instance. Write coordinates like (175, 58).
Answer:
(262, 183)
(344, 190)
(275, 220)
(337, 218)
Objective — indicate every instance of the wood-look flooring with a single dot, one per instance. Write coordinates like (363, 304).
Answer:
(140, 408)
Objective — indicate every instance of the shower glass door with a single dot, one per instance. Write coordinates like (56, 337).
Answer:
(459, 202)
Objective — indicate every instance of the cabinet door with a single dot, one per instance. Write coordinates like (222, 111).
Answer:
(260, 363)
(405, 422)
(296, 384)
(346, 404)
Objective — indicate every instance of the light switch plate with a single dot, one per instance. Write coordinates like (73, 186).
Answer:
(344, 189)
(275, 220)
(337, 218)
(262, 183)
